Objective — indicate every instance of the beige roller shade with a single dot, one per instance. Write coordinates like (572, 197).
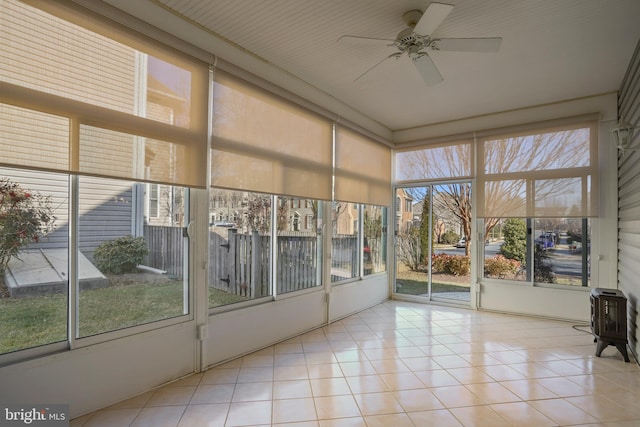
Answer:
(363, 169)
(99, 98)
(264, 143)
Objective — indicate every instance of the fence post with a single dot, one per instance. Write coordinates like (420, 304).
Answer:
(256, 249)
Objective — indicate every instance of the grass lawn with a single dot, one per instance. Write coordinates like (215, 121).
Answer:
(39, 320)
(416, 287)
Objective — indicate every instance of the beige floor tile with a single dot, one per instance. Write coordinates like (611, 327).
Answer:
(455, 396)
(436, 378)
(252, 375)
(296, 372)
(291, 389)
(529, 389)
(320, 358)
(479, 416)
(562, 412)
(138, 401)
(503, 373)
(252, 392)
(451, 361)
(328, 370)
(164, 416)
(293, 410)
(289, 359)
(480, 359)
(417, 400)
(287, 347)
(389, 366)
(329, 387)
(210, 415)
(378, 403)
(533, 370)
(113, 418)
(367, 384)
(522, 414)
(470, 375)
(421, 363)
(605, 409)
(402, 381)
(212, 393)
(492, 393)
(395, 420)
(336, 407)
(220, 376)
(357, 368)
(249, 414)
(343, 422)
(439, 418)
(167, 396)
(257, 361)
(563, 387)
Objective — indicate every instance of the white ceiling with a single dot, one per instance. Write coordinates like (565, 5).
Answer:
(552, 50)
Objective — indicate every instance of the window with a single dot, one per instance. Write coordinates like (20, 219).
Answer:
(345, 254)
(239, 261)
(153, 200)
(298, 253)
(34, 249)
(128, 276)
(538, 250)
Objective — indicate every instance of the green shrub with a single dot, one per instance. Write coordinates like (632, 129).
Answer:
(456, 265)
(120, 255)
(500, 267)
(515, 239)
(450, 238)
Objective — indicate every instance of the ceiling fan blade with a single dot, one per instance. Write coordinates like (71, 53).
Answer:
(364, 40)
(427, 69)
(393, 55)
(432, 18)
(489, 44)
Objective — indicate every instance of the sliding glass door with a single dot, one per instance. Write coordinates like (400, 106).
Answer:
(432, 245)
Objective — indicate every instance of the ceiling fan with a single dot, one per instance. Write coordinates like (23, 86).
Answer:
(416, 40)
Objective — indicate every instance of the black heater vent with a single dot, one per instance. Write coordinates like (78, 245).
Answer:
(609, 320)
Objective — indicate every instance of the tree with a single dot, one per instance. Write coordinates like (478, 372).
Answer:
(424, 227)
(515, 239)
(25, 217)
(408, 248)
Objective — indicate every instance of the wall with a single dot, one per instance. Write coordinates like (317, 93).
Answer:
(96, 376)
(629, 203)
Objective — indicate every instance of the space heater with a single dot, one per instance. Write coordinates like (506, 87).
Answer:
(609, 320)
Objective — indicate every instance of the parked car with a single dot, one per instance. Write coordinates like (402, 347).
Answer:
(462, 243)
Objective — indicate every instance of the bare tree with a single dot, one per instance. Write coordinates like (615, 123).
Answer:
(502, 158)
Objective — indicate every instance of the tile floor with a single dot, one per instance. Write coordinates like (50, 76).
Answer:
(404, 364)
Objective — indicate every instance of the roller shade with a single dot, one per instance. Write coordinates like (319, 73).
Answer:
(264, 143)
(363, 169)
(541, 173)
(434, 162)
(130, 107)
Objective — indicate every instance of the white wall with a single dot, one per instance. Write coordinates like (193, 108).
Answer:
(247, 329)
(353, 297)
(96, 376)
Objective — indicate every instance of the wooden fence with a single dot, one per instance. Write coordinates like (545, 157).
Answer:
(239, 263)
(166, 249)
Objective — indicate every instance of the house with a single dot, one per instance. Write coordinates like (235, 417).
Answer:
(168, 98)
